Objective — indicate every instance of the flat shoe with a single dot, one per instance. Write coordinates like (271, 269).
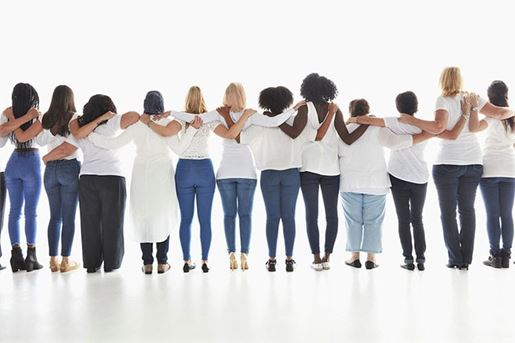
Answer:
(163, 268)
(355, 263)
(371, 265)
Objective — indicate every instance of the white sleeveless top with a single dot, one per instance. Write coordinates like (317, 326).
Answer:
(321, 157)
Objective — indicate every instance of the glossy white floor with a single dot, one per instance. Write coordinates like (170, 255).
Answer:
(385, 305)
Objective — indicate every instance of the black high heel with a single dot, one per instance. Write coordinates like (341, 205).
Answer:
(31, 261)
(17, 261)
(188, 266)
(205, 268)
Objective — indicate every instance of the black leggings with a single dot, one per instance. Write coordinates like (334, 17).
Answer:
(330, 185)
(409, 201)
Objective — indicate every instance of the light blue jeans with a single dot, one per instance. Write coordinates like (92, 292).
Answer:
(364, 214)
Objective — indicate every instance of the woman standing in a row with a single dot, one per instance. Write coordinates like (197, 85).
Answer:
(498, 181)
(102, 191)
(7, 126)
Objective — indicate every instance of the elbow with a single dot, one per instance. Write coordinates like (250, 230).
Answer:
(439, 128)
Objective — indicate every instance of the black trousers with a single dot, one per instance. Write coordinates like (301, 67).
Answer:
(162, 252)
(3, 192)
(102, 207)
(409, 199)
(310, 183)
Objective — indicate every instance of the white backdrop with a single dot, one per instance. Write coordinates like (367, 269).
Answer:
(372, 49)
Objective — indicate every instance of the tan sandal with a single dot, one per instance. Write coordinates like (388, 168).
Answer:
(54, 264)
(68, 266)
(243, 262)
(233, 264)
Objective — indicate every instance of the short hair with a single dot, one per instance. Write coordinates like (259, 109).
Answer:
(498, 93)
(359, 107)
(96, 106)
(407, 103)
(318, 89)
(275, 99)
(451, 82)
(235, 97)
(195, 102)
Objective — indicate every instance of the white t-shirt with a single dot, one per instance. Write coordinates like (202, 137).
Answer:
(498, 152)
(321, 157)
(46, 138)
(98, 161)
(362, 164)
(5, 153)
(275, 150)
(465, 150)
(407, 164)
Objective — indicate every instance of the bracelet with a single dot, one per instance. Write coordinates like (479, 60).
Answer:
(466, 116)
(474, 109)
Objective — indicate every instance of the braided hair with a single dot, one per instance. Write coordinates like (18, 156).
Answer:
(24, 97)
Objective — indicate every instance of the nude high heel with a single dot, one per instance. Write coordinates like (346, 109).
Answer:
(54, 264)
(243, 262)
(68, 266)
(233, 264)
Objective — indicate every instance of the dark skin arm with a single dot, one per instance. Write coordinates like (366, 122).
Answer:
(341, 128)
(224, 112)
(327, 119)
(299, 123)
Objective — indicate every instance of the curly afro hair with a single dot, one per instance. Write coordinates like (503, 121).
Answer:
(407, 103)
(275, 99)
(359, 107)
(318, 89)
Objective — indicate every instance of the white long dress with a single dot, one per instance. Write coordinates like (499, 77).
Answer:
(153, 199)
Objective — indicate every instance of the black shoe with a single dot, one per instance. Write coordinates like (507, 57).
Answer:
(270, 265)
(205, 268)
(494, 260)
(2, 267)
(188, 266)
(92, 270)
(370, 265)
(17, 261)
(408, 266)
(452, 266)
(355, 263)
(506, 255)
(463, 267)
(421, 267)
(31, 261)
(108, 270)
(290, 265)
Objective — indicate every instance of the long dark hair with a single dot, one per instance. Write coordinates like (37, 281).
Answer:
(24, 97)
(96, 106)
(61, 110)
(498, 95)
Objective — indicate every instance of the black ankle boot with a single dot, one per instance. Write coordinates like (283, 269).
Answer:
(31, 261)
(506, 255)
(494, 260)
(17, 261)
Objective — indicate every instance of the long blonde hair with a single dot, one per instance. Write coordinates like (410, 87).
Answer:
(235, 97)
(451, 82)
(195, 102)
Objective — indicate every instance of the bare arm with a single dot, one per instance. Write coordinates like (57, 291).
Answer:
(80, 132)
(455, 131)
(341, 128)
(59, 152)
(422, 137)
(475, 125)
(13, 124)
(171, 129)
(128, 119)
(368, 120)
(299, 123)
(432, 126)
(496, 112)
(322, 130)
(24, 136)
(235, 130)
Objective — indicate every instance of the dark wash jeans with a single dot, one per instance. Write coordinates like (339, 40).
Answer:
(61, 180)
(498, 195)
(162, 251)
(310, 183)
(456, 187)
(409, 199)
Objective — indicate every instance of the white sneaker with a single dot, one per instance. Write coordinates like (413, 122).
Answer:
(326, 265)
(317, 266)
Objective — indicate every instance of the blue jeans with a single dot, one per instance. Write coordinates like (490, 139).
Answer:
(23, 182)
(280, 190)
(237, 197)
(195, 179)
(61, 180)
(498, 195)
(456, 187)
(364, 214)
